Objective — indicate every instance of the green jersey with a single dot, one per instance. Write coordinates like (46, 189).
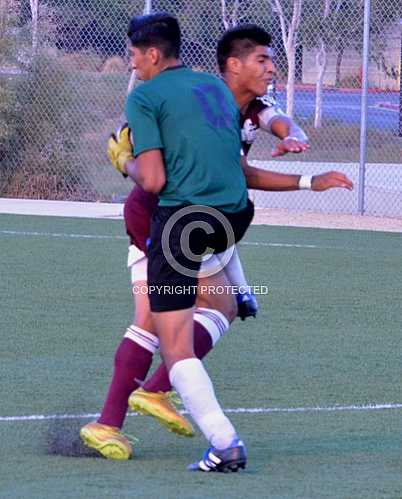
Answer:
(194, 119)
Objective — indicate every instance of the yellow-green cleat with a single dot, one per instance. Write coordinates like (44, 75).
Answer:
(161, 406)
(107, 440)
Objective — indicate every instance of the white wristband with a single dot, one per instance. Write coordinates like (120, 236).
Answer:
(293, 137)
(305, 182)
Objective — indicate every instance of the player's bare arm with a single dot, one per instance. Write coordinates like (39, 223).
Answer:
(293, 138)
(148, 170)
(330, 180)
(266, 180)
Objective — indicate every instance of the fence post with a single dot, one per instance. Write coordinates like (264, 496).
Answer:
(363, 122)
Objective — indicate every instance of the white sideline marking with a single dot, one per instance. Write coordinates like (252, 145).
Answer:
(238, 410)
(279, 245)
(61, 208)
(96, 236)
(59, 234)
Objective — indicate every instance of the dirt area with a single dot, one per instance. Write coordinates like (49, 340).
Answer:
(326, 221)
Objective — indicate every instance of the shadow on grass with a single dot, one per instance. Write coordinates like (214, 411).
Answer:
(63, 439)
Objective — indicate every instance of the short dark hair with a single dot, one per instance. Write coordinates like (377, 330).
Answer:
(159, 30)
(239, 42)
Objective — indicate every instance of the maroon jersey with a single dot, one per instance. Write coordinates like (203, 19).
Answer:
(138, 211)
(260, 113)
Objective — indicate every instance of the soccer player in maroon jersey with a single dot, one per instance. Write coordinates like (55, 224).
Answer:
(245, 62)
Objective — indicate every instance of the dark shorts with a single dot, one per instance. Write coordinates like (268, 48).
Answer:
(172, 274)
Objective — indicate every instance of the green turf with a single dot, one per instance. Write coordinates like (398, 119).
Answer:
(329, 333)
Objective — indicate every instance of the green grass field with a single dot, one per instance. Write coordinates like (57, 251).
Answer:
(327, 343)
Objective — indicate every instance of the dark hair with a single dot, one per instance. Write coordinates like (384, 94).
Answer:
(159, 30)
(240, 42)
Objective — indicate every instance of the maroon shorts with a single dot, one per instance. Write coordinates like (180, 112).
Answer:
(138, 211)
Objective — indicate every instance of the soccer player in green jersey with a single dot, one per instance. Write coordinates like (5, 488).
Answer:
(187, 150)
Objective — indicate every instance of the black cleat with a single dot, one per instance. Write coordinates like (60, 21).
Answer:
(247, 305)
(231, 459)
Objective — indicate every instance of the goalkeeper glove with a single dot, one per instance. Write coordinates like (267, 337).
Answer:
(120, 149)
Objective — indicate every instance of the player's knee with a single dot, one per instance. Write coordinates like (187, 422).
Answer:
(142, 314)
(174, 351)
(143, 321)
(170, 357)
(143, 318)
(228, 309)
(214, 292)
(224, 303)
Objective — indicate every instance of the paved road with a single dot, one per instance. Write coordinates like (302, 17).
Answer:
(346, 107)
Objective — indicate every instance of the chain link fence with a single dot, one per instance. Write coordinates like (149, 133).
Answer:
(64, 77)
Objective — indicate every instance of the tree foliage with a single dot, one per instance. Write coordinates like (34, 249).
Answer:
(343, 28)
(98, 25)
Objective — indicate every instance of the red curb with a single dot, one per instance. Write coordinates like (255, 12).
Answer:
(312, 88)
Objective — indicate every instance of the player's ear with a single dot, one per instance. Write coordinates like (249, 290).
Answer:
(154, 55)
(233, 65)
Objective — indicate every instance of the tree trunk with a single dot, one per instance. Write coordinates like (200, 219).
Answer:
(235, 13)
(289, 28)
(229, 21)
(147, 7)
(321, 65)
(339, 57)
(290, 86)
(3, 17)
(224, 15)
(35, 18)
(133, 77)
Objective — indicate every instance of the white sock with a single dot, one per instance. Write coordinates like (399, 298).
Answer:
(192, 382)
(234, 271)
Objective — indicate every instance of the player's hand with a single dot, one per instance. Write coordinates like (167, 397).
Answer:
(290, 144)
(120, 148)
(329, 180)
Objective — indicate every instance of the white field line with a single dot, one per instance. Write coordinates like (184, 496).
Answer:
(238, 410)
(100, 236)
(59, 234)
(279, 245)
